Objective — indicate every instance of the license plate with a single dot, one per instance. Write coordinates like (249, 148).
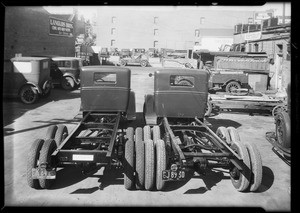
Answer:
(83, 157)
(42, 173)
(173, 175)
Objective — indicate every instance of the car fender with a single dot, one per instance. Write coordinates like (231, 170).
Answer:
(225, 83)
(47, 82)
(35, 86)
(72, 76)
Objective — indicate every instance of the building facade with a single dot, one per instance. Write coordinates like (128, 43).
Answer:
(166, 27)
(274, 39)
(34, 31)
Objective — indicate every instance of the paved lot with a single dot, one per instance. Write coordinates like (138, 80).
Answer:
(23, 124)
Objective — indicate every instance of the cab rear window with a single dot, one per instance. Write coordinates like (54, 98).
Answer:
(105, 78)
(182, 80)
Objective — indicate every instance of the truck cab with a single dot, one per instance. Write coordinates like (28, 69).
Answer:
(178, 93)
(107, 89)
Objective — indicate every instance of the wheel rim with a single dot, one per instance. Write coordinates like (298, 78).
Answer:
(28, 95)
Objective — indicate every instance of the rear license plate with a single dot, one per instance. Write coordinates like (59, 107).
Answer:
(173, 175)
(83, 157)
(42, 173)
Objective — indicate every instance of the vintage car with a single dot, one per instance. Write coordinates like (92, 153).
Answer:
(70, 69)
(137, 56)
(27, 77)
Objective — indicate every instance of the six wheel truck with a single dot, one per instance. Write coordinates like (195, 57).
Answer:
(175, 140)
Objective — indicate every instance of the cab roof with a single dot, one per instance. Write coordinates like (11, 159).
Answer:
(28, 58)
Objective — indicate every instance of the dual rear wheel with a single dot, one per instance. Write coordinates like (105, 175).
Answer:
(146, 157)
(250, 176)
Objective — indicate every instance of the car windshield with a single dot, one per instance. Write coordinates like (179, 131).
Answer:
(64, 63)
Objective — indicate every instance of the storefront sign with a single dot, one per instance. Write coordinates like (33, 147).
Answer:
(252, 36)
(61, 27)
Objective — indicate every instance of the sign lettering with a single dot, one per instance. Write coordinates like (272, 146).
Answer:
(60, 27)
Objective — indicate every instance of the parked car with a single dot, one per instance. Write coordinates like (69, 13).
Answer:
(27, 78)
(136, 56)
(70, 70)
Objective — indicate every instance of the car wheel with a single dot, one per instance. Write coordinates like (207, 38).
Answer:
(149, 165)
(67, 83)
(256, 166)
(161, 163)
(233, 85)
(283, 129)
(241, 179)
(147, 133)
(129, 165)
(223, 133)
(45, 157)
(33, 162)
(51, 131)
(144, 63)
(139, 158)
(123, 63)
(28, 94)
(61, 134)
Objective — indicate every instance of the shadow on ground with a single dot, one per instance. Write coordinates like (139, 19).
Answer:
(13, 108)
(216, 123)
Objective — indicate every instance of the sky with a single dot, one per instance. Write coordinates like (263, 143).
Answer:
(89, 11)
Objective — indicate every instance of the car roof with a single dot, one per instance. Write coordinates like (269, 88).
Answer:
(29, 58)
(58, 58)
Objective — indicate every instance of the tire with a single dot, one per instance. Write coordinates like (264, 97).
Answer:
(234, 135)
(147, 133)
(129, 165)
(67, 83)
(156, 134)
(28, 94)
(277, 109)
(51, 131)
(161, 164)
(45, 157)
(149, 165)
(283, 129)
(47, 90)
(223, 133)
(208, 109)
(144, 63)
(129, 133)
(232, 85)
(241, 182)
(32, 162)
(61, 134)
(123, 63)
(256, 166)
(139, 159)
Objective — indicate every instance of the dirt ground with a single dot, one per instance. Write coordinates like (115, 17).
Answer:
(24, 123)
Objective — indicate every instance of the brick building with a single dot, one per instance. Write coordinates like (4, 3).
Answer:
(28, 32)
(166, 27)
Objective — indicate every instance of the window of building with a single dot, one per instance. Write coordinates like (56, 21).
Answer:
(202, 19)
(156, 32)
(113, 19)
(197, 33)
(155, 20)
(249, 47)
(256, 47)
(113, 31)
(155, 44)
(112, 43)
